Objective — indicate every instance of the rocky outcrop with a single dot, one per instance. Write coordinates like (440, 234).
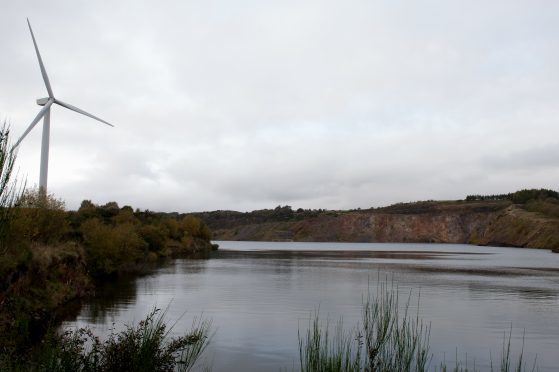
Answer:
(483, 223)
(517, 227)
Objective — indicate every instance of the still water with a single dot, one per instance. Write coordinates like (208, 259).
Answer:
(259, 294)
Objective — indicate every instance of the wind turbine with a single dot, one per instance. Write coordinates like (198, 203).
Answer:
(47, 102)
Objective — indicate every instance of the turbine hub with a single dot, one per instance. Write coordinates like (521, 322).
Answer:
(42, 101)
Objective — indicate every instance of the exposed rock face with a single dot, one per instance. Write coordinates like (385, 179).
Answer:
(483, 223)
(519, 228)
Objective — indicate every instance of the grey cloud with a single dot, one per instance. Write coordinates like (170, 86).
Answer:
(536, 158)
(322, 104)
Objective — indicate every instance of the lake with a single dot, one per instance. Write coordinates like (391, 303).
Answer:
(259, 294)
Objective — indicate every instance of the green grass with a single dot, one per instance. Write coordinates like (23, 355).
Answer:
(320, 351)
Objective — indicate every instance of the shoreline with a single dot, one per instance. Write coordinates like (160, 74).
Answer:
(38, 299)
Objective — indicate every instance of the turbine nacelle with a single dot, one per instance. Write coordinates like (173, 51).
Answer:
(42, 101)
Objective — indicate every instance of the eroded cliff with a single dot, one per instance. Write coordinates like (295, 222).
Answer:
(500, 223)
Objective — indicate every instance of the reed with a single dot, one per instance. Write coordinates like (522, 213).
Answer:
(388, 339)
(394, 340)
(320, 351)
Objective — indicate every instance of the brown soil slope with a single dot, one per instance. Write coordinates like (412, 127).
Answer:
(498, 223)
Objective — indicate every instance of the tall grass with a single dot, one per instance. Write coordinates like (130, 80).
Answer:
(144, 347)
(388, 339)
(394, 340)
(319, 351)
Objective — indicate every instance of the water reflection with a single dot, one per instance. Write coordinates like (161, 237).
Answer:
(259, 294)
(109, 298)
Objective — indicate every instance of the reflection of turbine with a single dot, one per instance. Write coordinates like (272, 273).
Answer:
(45, 114)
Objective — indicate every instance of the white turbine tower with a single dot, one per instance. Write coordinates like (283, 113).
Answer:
(45, 114)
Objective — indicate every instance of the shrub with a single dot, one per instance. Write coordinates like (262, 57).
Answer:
(39, 218)
(126, 215)
(172, 228)
(110, 249)
(144, 347)
(195, 227)
(191, 225)
(154, 237)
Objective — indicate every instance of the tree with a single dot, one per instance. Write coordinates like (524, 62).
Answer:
(39, 217)
(191, 225)
(125, 215)
(154, 237)
(195, 227)
(109, 249)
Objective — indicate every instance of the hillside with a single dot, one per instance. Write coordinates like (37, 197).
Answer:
(528, 218)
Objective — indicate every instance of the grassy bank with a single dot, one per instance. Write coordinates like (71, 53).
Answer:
(50, 257)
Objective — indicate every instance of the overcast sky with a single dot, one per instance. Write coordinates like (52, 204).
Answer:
(242, 105)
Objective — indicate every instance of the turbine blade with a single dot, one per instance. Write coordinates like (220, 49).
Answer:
(74, 108)
(43, 71)
(35, 121)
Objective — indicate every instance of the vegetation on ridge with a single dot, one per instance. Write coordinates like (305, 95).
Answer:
(529, 199)
(519, 197)
(113, 239)
(526, 218)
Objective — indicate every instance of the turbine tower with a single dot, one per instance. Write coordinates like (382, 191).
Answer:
(47, 102)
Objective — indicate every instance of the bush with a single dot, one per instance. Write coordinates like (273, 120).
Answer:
(144, 347)
(154, 237)
(548, 207)
(125, 215)
(110, 249)
(39, 218)
(172, 228)
(195, 227)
